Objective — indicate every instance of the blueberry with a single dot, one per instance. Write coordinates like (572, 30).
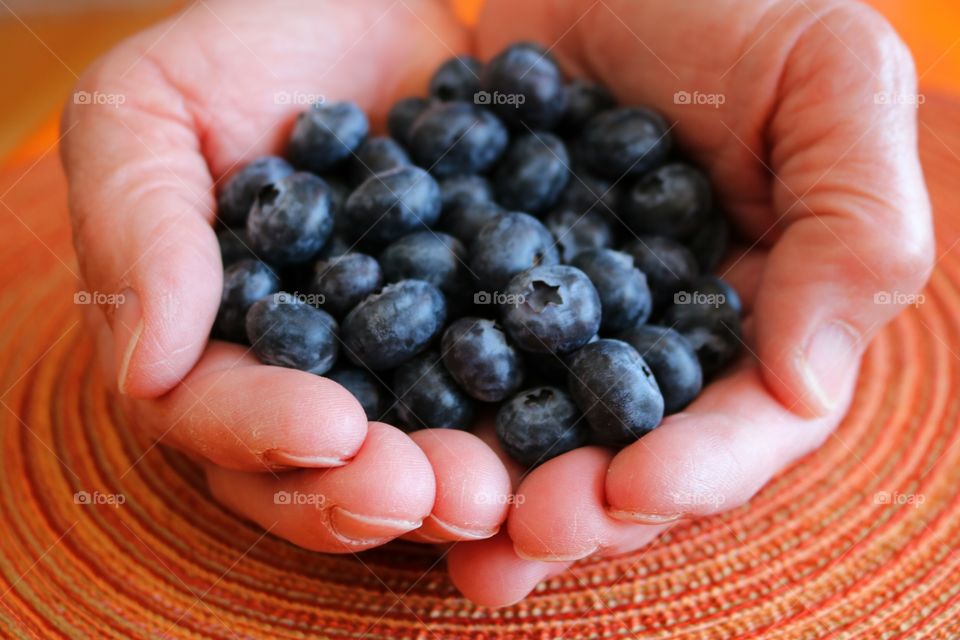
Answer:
(551, 309)
(340, 190)
(244, 283)
(479, 357)
(584, 100)
(460, 191)
(234, 246)
(576, 232)
(427, 397)
(390, 205)
(433, 257)
(511, 243)
(390, 327)
(625, 141)
(616, 391)
(673, 200)
(466, 221)
(365, 388)
(624, 295)
(291, 219)
(344, 281)
(376, 155)
(673, 361)
(668, 265)
(288, 332)
(524, 86)
(709, 243)
(326, 134)
(457, 138)
(587, 192)
(456, 79)
(402, 115)
(337, 245)
(240, 189)
(533, 173)
(538, 424)
(717, 292)
(713, 331)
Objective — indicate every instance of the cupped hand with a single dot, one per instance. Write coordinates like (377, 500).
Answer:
(804, 115)
(172, 112)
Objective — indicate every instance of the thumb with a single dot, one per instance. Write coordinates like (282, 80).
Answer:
(857, 243)
(141, 203)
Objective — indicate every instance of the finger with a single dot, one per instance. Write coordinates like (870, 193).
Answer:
(473, 488)
(386, 491)
(221, 413)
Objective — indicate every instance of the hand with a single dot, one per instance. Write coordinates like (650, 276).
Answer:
(201, 95)
(813, 153)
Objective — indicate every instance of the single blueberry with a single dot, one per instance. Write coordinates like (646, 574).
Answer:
(291, 219)
(576, 232)
(240, 189)
(668, 265)
(433, 257)
(368, 391)
(326, 134)
(390, 327)
(538, 424)
(587, 192)
(673, 200)
(244, 283)
(624, 295)
(466, 221)
(479, 357)
(524, 86)
(617, 392)
(344, 281)
(713, 331)
(716, 292)
(509, 244)
(402, 115)
(337, 245)
(340, 190)
(625, 141)
(673, 361)
(376, 155)
(709, 243)
(457, 138)
(456, 79)
(463, 190)
(390, 205)
(287, 332)
(551, 309)
(533, 173)
(234, 246)
(428, 397)
(584, 100)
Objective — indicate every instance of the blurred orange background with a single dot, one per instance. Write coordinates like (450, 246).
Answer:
(45, 44)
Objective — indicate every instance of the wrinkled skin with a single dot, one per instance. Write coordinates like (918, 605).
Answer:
(822, 179)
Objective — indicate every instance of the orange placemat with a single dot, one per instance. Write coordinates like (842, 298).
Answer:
(105, 536)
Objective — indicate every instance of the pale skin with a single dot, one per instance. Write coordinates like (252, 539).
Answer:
(820, 176)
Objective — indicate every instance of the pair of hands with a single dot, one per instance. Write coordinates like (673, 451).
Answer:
(812, 152)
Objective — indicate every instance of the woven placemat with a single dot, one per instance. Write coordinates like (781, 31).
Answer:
(105, 535)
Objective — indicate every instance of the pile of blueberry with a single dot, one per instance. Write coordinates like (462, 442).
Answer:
(518, 242)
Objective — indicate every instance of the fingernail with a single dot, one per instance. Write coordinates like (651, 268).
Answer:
(644, 518)
(456, 532)
(554, 557)
(286, 459)
(127, 329)
(354, 528)
(826, 364)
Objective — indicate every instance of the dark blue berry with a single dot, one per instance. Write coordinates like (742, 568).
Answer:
(456, 138)
(337, 245)
(244, 283)
(479, 357)
(713, 331)
(428, 397)
(390, 327)
(709, 243)
(291, 219)
(456, 79)
(511, 243)
(433, 257)
(673, 361)
(344, 281)
(538, 424)
(533, 173)
(668, 265)
(389, 205)
(376, 155)
(625, 141)
(240, 189)
(524, 86)
(463, 190)
(288, 332)
(584, 100)
(368, 391)
(716, 292)
(624, 295)
(576, 232)
(465, 222)
(234, 246)
(587, 192)
(673, 200)
(616, 391)
(326, 135)
(402, 115)
(551, 309)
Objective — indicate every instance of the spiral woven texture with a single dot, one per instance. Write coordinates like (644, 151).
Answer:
(857, 540)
